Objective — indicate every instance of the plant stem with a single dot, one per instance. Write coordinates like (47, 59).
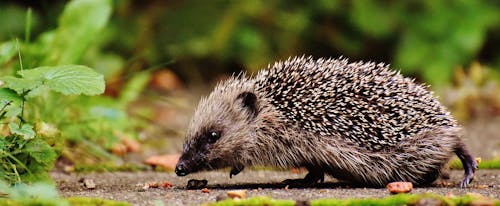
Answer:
(22, 75)
(27, 29)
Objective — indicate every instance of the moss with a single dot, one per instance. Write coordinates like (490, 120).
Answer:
(484, 164)
(401, 199)
(73, 201)
(254, 201)
(110, 167)
(76, 201)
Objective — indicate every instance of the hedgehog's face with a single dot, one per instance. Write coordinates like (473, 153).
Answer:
(220, 132)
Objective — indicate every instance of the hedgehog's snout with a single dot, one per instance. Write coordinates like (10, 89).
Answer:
(181, 169)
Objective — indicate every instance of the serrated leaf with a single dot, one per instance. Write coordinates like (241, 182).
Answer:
(10, 102)
(68, 79)
(26, 131)
(42, 152)
(9, 95)
(20, 85)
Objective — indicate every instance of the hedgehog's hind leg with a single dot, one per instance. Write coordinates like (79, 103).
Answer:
(314, 176)
(468, 162)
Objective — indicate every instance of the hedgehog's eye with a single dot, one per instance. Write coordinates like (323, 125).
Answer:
(213, 136)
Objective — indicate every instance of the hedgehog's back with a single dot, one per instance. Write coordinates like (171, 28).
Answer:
(364, 103)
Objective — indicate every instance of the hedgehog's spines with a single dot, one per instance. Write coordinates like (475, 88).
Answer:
(361, 122)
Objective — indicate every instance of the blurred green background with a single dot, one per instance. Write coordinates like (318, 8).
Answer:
(200, 39)
(159, 57)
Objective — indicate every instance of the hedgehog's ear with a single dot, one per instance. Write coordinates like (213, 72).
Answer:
(249, 101)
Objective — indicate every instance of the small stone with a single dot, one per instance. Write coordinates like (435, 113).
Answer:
(154, 185)
(89, 183)
(399, 187)
(241, 194)
(205, 190)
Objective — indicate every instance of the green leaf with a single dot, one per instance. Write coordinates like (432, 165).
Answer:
(42, 152)
(68, 79)
(10, 103)
(26, 131)
(8, 95)
(36, 190)
(20, 85)
(134, 87)
(7, 51)
(79, 25)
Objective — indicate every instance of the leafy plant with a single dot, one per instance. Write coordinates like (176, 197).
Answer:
(45, 194)
(42, 110)
(25, 155)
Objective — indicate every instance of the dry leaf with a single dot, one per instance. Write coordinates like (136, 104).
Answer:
(241, 194)
(167, 162)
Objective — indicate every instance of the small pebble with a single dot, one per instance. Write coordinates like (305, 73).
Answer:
(399, 187)
(205, 190)
(89, 183)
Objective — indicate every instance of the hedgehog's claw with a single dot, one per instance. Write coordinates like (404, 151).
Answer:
(236, 170)
(309, 179)
(469, 163)
(470, 167)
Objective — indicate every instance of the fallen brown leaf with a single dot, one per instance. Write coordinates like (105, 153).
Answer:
(119, 149)
(241, 194)
(167, 162)
(166, 184)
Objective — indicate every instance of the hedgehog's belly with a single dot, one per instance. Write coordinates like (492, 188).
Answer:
(380, 179)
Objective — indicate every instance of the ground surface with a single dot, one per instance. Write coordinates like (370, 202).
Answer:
(127, 186)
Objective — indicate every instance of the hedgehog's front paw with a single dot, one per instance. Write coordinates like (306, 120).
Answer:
(310, 179)
(236, 170)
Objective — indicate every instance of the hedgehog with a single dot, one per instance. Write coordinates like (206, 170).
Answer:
(361, 123)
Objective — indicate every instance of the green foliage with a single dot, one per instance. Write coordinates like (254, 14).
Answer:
(85, 201)
(110, 167)
(26, 157)
(484, 164)
(32, 98)
(400, 199)
(41, 194)
(427, 39)
(79, 25)
(254, 201)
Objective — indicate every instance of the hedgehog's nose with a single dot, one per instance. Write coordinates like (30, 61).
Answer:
(180, 169)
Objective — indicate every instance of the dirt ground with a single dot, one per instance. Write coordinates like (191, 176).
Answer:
(128, 186)
(482, 136)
